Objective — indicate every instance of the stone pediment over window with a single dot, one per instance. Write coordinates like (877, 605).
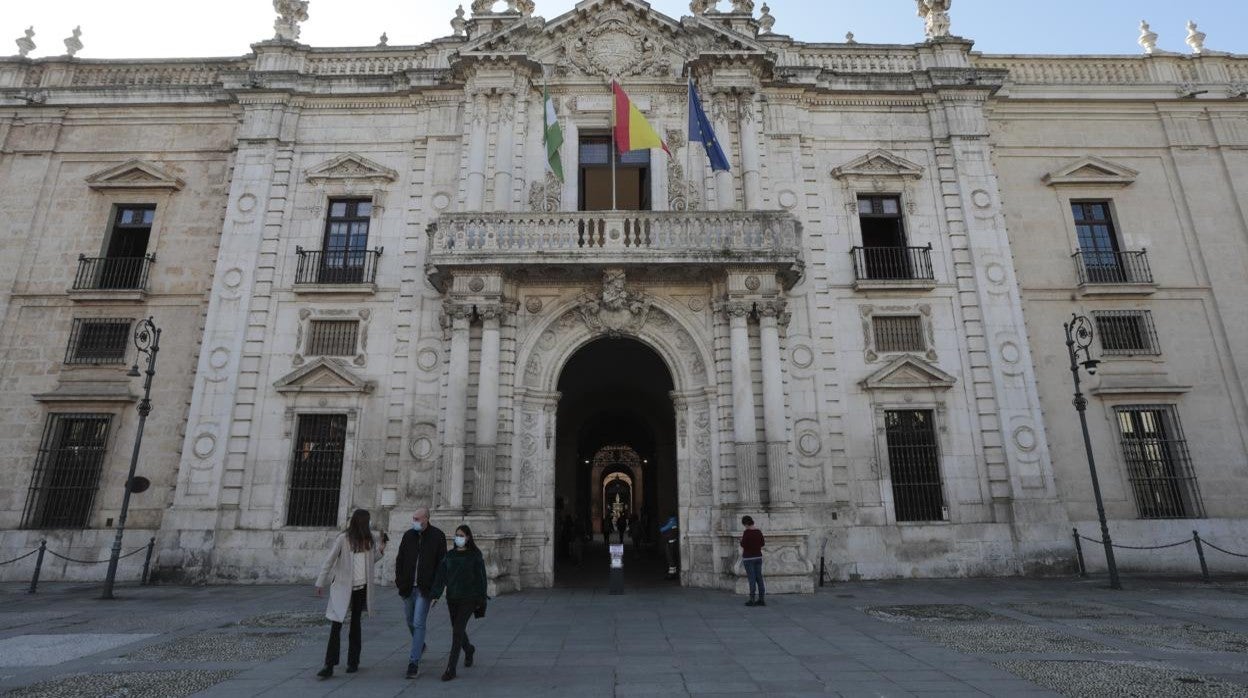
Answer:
(135, 174)
(323, 376)
(1092, 170)
(879, 164)
(613, 38)
(909, 373)
(351, 168)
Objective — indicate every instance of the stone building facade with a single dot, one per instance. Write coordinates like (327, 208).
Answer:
(374, 294)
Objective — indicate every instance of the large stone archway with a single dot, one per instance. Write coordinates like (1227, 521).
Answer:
(542, 352)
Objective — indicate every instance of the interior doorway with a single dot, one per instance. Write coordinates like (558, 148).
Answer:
(615, 472)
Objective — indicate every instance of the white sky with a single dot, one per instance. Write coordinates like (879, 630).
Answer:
(190, 28)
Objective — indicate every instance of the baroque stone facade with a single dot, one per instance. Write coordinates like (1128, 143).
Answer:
(895, 413)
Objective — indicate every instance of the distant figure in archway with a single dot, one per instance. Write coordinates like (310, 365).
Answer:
(634, 532)
(670, 532)
(752, 557)
(606, 528)
(621, 525)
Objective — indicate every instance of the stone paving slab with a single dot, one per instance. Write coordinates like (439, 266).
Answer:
(936, 637)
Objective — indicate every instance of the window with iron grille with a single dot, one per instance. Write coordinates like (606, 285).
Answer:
(1126, 332)
(67, 471)
(98, 340)
(316, 470)
(898, 333)
(914, 465)
(332, 337)
(1158, 463)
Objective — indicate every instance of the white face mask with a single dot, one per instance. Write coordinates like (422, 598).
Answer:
(416, 526)
(460, 541)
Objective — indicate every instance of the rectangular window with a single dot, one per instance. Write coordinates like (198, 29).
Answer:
(1158, 464)
(332, 337)
(98, 341)
(1098, 241)
(1126, 332)
(914, 465)
(345, 254)
(898, 333)
(632, 176)
(67, 472)
(316, 470)
(884, 253)
(123, 263)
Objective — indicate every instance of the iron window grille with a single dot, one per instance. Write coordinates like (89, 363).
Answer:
(1126, 332)
(898, 333)
(98, 341)
(316, 470)
(67, 471)
(332, 337)
(914, 466)
(1159, 465)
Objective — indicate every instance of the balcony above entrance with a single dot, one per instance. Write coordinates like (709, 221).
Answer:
(657, 240)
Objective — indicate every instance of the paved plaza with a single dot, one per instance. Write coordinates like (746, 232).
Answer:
(966, 637)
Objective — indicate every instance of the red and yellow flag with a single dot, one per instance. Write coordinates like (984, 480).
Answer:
(632, 131)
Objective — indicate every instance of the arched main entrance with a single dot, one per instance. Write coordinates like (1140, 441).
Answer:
(615, 461)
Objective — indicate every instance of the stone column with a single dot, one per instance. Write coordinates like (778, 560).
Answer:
(459, 317)
(504, 155)
(743, 415)
(487, 408)
(725, 191)
(751, 178)
(775, 423)
(478, 136)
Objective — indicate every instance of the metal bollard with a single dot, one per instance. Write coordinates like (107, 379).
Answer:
(1083, 568)
(147, 561)
(1200, 551)
(34, 580)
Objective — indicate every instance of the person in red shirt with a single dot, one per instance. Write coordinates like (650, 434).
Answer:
(752, 556)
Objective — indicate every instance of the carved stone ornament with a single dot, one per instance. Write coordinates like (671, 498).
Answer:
(1148, 38)
(878, 164)
(546, 196)
(682, 194)
(615, 311)
(26, 44)
(935, 14)
(289, 14)
(135, 174)
(1195, 38)
(766, 20)
(459, 25)
(350, 167)
(616, 47)
(74, 43)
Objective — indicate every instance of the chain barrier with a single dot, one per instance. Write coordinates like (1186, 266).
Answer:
(136, 551)
(43, 550)
(19, 557)
(1196, 540)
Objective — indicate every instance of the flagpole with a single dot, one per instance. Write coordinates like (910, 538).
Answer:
(545, 135)
(613, 124)
(688, 183)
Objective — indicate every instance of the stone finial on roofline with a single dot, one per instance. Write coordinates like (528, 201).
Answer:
(289, 14)
(459, 25)
(702, 7)
(935, 14)
(1195, 38)
(1148, 37)
(74, 43)
(765, 20)
(26, 44)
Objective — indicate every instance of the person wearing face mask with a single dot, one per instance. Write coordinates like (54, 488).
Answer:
(420, 554)
(462, 576)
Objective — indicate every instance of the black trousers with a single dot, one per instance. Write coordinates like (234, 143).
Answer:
(359, 601)
(460, 612)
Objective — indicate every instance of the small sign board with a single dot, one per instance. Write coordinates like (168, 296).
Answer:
(617, 555)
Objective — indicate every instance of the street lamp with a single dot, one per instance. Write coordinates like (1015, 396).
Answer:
(147, 341)
(1079, 341)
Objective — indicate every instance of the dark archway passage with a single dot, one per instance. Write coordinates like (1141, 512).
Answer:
(615, 457)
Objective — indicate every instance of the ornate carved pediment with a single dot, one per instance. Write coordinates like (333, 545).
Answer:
(615, 310)
(909, 373)
(323, 375)
(1092, 170)
(353, 168)
(135, 174)
(879, 164)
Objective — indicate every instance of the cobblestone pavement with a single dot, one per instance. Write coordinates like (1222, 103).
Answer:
(1012, 637)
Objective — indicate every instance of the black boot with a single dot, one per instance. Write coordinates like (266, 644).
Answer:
(325, 673)
(468, 653)
(449, 674)
(760, 601)
(751, 602)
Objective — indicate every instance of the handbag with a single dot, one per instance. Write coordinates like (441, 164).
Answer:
(479, 611)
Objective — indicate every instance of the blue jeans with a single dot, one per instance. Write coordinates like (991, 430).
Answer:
(754, 573)
(416, 612)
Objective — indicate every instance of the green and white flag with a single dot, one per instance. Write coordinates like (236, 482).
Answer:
(552, 136)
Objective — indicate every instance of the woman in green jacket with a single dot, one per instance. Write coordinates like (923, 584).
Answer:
(462, 576)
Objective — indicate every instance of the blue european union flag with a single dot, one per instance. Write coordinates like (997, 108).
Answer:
(700, 131)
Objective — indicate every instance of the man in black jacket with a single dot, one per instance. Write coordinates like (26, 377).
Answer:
(420, 553)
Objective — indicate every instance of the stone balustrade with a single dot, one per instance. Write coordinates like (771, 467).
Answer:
(616, 237)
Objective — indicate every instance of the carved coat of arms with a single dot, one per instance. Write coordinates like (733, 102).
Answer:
(615, 47)
(615, 310)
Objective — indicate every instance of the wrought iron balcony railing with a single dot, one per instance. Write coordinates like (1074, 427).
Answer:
(893, 263)
(1107, 267)
(337, 266)
(626, 237)
(112, 273)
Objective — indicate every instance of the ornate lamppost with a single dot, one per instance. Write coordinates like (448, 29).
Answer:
(1079, 342)
(147, 342)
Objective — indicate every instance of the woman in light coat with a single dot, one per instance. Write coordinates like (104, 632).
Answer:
(348, 572)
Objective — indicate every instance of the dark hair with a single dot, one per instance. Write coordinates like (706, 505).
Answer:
(472, 542)
(747, 520)
(358, 534)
